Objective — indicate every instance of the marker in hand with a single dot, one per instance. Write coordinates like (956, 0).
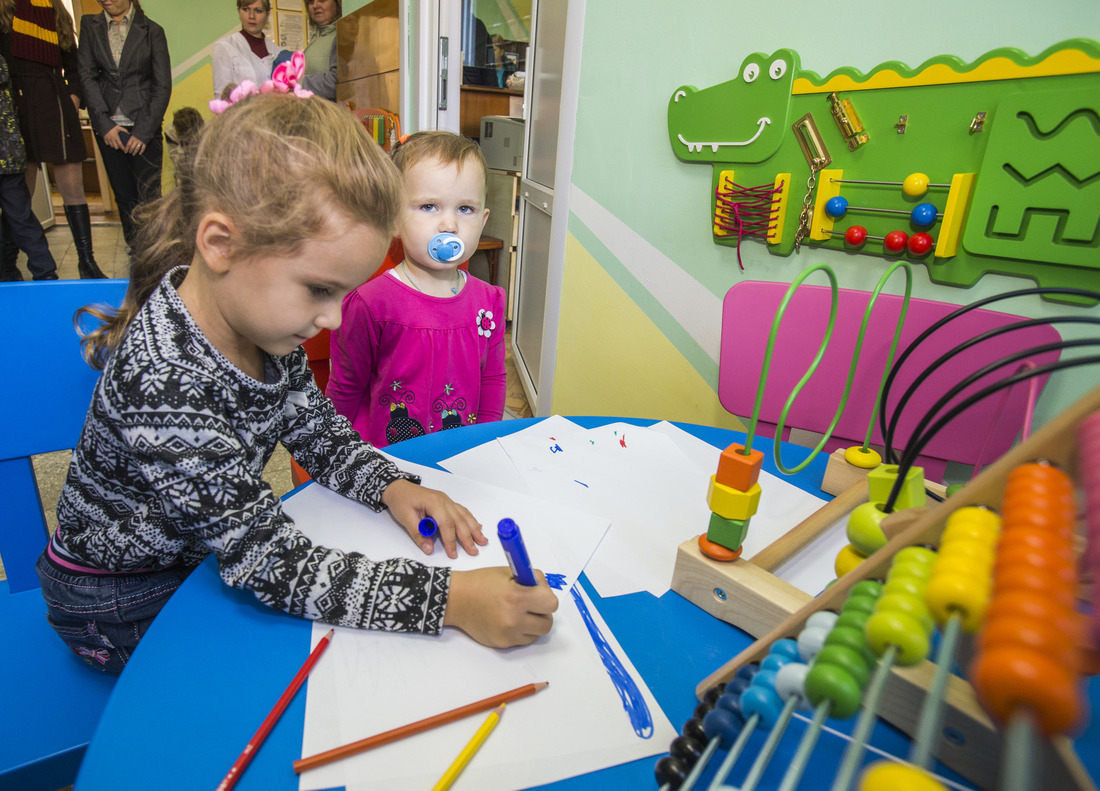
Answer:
(512, 541)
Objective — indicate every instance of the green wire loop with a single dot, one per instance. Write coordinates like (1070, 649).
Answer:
(765, 367)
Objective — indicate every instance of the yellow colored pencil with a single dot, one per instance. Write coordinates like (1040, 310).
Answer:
(468, 751)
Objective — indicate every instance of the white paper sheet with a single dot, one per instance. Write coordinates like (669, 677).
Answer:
(650, 482)
(369, 682)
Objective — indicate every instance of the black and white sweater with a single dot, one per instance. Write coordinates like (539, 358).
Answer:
(169, 469)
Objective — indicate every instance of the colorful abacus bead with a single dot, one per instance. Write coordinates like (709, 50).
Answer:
(920, 244)
(840, 675)
(890, 776)
(923, 215)
(1026, 660)
(895, 241)
(901, 618)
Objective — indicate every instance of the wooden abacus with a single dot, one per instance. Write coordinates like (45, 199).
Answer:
(746, 595)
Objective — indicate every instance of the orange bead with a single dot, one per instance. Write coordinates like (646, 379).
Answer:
(717, 551)
(1031, 633)
(1039, 581)
(1008, 680)
(737, 470)
(1022, 603)
(1010, 555)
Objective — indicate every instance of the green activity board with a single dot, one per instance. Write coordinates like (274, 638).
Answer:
(991, 166)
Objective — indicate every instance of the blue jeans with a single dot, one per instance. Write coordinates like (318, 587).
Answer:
(101, 617)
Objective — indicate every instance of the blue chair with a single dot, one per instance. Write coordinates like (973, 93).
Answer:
(50, 701)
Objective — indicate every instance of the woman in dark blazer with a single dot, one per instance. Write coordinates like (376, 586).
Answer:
(126, 97)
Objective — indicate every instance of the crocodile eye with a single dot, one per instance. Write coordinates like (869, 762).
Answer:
(777, 69)
(752, 71)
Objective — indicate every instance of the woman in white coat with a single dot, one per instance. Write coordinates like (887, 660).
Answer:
(245, 54)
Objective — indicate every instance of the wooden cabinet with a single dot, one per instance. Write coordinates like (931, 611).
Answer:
(479, 101)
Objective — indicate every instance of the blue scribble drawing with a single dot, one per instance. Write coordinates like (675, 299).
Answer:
(633, 702)
(582, 483)
(556, 448)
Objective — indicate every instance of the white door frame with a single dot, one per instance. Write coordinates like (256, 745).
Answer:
(425, 24)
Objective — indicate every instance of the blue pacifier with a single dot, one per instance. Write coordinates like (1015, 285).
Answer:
(446, 248)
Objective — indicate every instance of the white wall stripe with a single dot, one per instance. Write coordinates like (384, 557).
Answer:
(697, 310)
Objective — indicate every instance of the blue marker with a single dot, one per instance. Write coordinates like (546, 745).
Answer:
(512, 541)
(427, 527)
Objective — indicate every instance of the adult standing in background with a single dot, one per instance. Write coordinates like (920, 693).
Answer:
(245, 54)
(37, 41)
(320, 71)
(127, 78)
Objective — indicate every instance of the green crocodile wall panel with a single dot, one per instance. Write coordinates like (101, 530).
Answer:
(968, 168)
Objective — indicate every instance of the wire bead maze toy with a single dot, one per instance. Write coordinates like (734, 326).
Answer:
(988, 577)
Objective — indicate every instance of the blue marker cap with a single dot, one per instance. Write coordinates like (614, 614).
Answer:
(427, 527)
(518, 562)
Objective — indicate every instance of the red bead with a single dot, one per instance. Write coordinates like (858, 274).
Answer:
(920, 243)
(895, 241)
(855, 235)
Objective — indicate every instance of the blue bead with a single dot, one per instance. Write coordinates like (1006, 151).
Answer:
(762, 701)
(785, 647)
(731, 703)
(747, 671)
(775, 661)
(763, 678)
(735, 687)
(836, 207)
(923, 215)
(723, 723)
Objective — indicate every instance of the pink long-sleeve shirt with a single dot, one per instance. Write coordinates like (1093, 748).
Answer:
(405, 363)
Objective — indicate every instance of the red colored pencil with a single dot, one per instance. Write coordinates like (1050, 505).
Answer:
(257, 739)
(336, 753)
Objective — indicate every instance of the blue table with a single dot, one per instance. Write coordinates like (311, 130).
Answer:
(215, 661)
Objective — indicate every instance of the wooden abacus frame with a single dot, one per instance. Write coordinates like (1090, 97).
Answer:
(748, 596)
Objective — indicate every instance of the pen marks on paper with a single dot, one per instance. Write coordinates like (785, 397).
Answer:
(633, 702)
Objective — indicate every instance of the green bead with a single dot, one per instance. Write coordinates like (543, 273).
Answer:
(893, 627)
(871, 588)
(909, 568)
(835, 684)
(852, 639)
(913, 606)
(855, 619)
(851, 661)
(859, 604)
(908, 586)
(918, 554)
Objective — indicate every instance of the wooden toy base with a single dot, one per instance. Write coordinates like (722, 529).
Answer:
(746, 594)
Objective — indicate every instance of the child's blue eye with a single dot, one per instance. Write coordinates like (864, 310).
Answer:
(318, 291)
(427, 207)
(466, 209)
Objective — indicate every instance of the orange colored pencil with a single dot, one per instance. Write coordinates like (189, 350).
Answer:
(257, 739)
(336, 753)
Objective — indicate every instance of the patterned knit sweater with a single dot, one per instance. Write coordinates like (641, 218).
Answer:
(169, 469)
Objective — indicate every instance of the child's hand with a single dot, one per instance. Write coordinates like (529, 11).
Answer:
(410, 502)
(497, 611)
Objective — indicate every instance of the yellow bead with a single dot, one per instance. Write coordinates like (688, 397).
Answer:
(864, 458)
(847, 559)
(889, 776)
(959, 593)
(915, 184)
(730, 503)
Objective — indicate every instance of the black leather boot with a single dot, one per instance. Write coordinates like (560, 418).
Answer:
(80, 225)
(9, 252)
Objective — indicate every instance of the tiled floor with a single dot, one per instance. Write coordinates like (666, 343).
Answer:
(110, 253)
